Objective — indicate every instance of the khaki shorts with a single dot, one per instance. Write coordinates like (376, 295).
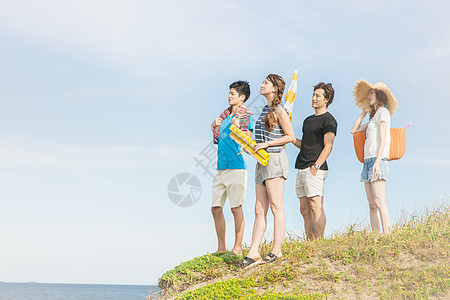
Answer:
(277, 166)
(231, 183)
(307, 185)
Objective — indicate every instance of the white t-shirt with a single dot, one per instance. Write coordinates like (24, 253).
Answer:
(373, 133)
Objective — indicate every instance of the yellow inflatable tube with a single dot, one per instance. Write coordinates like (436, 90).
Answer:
(242, 139)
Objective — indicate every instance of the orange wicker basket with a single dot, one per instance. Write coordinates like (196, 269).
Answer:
(397, 147)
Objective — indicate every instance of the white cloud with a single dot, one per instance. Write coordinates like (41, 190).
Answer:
(436, 55)
(15, 152)
(134, 34)
(100, 254)
(116, 92)
(431, 162)
(150, 37)
(370, 6)
(428, 157)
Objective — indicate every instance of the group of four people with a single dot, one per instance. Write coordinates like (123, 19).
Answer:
(272, 131)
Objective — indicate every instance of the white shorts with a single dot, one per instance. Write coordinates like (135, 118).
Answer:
(231, 183)
(307, 185)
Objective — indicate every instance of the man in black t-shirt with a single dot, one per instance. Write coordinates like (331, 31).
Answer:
(319, 131)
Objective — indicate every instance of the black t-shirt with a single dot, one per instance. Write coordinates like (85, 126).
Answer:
(314, 129)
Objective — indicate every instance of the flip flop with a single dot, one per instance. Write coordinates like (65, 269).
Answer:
(271, 258)
(249, 262)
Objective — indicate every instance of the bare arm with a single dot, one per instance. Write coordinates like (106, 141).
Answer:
(381, 140)
(357, 126)
(297, 143)
(328, 141)
(286, 125)
(216, 122)
(249, 134)
(235, 121)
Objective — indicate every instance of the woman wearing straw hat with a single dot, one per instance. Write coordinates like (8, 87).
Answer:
(380, 103)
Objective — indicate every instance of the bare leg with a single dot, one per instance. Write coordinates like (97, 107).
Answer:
(275, 191)
(261, 209)
(316, 204)
(239, 225)
(308, 219)
(374, 217)
(379, 194)
(219, 222)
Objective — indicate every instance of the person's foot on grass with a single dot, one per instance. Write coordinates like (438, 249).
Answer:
(270, 258)
(249, 262)
(237, 251)
(220, 251)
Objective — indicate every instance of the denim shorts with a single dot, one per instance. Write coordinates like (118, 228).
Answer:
(366, 174)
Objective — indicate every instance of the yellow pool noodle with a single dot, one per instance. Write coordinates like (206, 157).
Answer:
(242, 139)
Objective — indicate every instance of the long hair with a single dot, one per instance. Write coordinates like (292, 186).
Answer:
(381, 101)
(279, 84)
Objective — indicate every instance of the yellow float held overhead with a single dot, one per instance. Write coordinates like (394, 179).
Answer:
(243, 140)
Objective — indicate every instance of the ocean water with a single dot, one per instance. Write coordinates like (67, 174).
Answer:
(60, 291)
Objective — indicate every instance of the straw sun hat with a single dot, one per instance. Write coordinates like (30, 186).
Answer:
(361, 91)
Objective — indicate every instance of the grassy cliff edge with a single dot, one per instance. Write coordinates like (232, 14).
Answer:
(412, 262)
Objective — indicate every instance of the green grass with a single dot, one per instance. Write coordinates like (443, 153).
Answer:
(412, 262)
(414, 283)
(199, 269)
(240, 289)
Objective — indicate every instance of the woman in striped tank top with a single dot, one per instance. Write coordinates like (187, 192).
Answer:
(272, 131)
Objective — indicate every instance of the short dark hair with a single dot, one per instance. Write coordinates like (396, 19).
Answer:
(242, 88)
(328, 89)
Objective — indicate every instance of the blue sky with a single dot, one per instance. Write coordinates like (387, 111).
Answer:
(102, 103)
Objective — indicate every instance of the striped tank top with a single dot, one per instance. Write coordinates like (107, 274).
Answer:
(262, 133)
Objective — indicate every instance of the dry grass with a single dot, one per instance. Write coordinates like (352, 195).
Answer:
(412, 262)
